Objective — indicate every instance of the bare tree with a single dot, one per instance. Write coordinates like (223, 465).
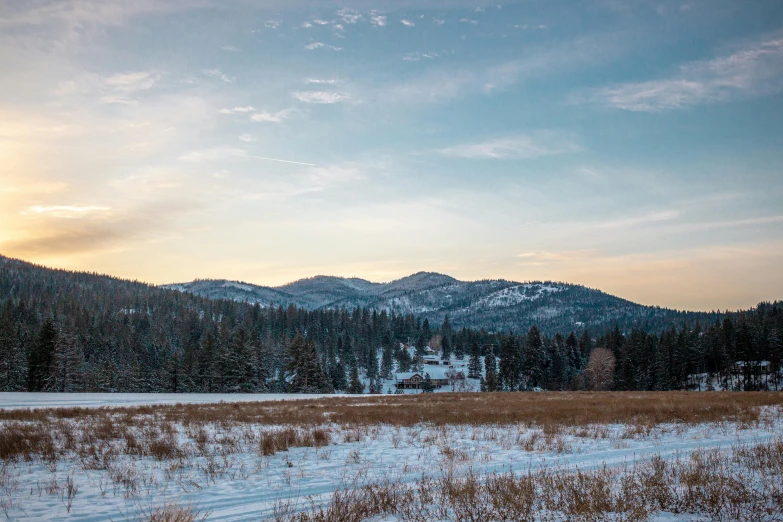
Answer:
(600, 369)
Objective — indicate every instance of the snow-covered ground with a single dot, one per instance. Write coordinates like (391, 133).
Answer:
(239, 483)
(15, 401)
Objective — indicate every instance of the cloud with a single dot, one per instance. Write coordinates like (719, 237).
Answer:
(238, 110)
(407, 23)
(312, 180)
(307, 25)
(378, 20)
(66, 211)
(247, 138)
(514, 147)
(446, 85)
(417, 56)
(272, 117)
(212, 154)
(349, 16)
(752, 71)
(320, 45)
(121, 88)
(469, 21)
(230, 48)
(224, 153)
(273, 24)
(530, 27)
(319, 97)
(324, 81)
(90, 232)
(318, 21)
(635, 221)
(217, 73)
(439, 21)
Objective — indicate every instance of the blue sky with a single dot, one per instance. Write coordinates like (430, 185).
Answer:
(629, 146)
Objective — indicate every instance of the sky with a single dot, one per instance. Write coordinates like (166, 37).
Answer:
(631, 146)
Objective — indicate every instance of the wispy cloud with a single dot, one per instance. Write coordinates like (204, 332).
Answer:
(273, 24)
(217, 73)
(320, 45)
(319, 97)
(446, 85)
(121, 88)
(638, 220)
(312, 180)
(378, 20)
(407, 23)
(230, 48)
(754, 70)
(272, 117)
(66, 211)
(349, 16)
(223, 153)
(238, 110)
(515, 147)
(324, 81)
(247, 138)
(417, 56)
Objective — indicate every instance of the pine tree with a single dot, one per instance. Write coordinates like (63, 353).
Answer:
(491, 372)
(42, 357)
(445, 347)
(304, 371)
(355, 385)
(474, 364)
(427, 386)
(337, 374)
(66, 373)
(509, 363)
(535, 358)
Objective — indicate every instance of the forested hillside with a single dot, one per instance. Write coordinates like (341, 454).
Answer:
(495, 305)
(70, 331)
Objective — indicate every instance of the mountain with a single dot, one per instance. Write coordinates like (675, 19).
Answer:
(495, 305)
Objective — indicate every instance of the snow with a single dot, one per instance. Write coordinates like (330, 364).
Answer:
(14, 401)
(252, 484)
(237, 285)
(516, 294)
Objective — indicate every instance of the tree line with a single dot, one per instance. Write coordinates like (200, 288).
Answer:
(72, 332)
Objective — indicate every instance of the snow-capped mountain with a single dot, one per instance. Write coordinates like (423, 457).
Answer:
(491, 304)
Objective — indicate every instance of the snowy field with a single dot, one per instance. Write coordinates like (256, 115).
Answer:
(12, 401)
(229, 472)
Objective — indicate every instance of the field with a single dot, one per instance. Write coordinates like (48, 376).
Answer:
(472, 457)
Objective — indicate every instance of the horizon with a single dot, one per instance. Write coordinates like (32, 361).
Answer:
(633, 149)
(523, 282)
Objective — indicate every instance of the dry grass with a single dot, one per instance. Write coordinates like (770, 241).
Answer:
(141, 451)
(173, 512)
(99, 435)
(744, 484)
(549, 408)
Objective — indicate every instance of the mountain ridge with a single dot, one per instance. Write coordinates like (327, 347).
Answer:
(493, 304)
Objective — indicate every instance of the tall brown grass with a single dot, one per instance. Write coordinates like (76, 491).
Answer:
(706, 485)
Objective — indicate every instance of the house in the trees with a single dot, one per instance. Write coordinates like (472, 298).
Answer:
(439, 375)
(434, 360)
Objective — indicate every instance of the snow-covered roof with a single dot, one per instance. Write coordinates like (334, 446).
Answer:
(436, 372)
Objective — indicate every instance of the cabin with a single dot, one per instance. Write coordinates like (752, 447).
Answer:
(741, 367)
(415, 380)
(434, 360)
